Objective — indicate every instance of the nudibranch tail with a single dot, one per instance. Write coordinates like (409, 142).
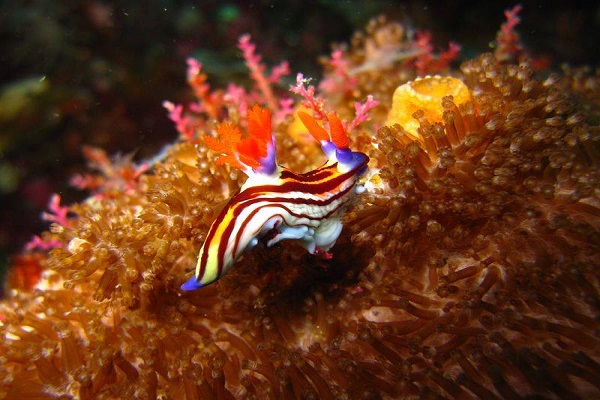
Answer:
(274, 202)
(192, 284)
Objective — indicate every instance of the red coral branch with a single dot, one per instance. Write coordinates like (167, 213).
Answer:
(183, 123)
(362, 112)
(427, 62)
(508, 41)
(121, 173)
(279, 71)
(209, 102)
(57, 213)
(340, 79)
(257, 70)
(38, 243)
(214, 105)
(316, 104)
(311, 101)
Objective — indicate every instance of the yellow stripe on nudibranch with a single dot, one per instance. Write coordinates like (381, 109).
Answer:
(305, 208)
(210, 249)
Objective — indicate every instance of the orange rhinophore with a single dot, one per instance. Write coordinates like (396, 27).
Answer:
(316, 130)
(336, 135)
(339, 137)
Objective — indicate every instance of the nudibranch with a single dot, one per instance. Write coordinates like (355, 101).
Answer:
(275, 203)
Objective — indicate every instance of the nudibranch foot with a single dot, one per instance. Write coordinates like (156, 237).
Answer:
(327, 233)
(299, 232)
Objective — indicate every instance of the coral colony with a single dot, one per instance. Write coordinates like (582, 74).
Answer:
(462, 264)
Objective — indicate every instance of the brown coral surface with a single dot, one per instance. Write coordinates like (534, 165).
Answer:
(469, 270)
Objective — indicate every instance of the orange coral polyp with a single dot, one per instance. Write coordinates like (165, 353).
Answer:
(425, 94)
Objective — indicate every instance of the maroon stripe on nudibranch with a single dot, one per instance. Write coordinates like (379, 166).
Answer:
(320, 187)
(240, 205)
(311, 176)
(280, 202)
